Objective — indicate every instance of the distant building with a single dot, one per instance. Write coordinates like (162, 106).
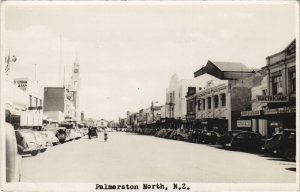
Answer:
(59, 100)
(176, 92)
(102, 123)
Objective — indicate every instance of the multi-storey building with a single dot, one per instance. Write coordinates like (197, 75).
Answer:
(176, 92)
(24, 102)
(275, 100)
(217, 104)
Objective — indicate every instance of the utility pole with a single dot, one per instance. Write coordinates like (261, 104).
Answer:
(35, 72)
(8, 61)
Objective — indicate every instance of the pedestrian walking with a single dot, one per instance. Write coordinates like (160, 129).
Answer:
(89, 133)
(105, 135)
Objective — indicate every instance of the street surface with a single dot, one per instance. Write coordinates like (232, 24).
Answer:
(129, 157)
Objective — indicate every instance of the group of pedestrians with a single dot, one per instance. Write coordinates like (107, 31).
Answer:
(93, 132)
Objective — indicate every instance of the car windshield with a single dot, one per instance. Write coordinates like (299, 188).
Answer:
(28, 136)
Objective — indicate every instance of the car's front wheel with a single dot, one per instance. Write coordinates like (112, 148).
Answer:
(289, 155)
(43, 150)
(34, 153)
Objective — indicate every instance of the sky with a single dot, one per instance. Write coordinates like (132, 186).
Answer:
(128, 52)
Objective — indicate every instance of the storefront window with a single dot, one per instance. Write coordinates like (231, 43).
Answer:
(216, 101)
(209, 102)
(36, 101)
(223, 99)
(199, 105)
(203, 104)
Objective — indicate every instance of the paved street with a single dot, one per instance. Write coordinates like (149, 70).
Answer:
(129, 157)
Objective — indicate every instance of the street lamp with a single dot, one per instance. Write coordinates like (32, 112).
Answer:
(8, 60)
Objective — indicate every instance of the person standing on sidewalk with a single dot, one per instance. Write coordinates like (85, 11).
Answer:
(105, 135)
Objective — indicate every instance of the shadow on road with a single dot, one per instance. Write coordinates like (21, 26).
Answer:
(291, 169)
(26, 156)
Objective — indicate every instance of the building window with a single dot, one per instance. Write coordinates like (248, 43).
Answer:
(36, 101)
(199, 105)
(209, 102)
(41, 102)
(30, 100)
(216, 101)
(276, 83)
(203, 104)
(264, 92)
(223, 99)
(293, 82)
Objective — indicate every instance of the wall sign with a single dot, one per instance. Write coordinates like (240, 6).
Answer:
(280, 110)
(271, 98)
(244, 123)
(22, 84)
(250, 113)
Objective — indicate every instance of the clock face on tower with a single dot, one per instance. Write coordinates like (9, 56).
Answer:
(75, 70)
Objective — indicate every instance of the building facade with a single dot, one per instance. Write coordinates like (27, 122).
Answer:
(26, 102)
(176, 93)
(59, 100)
(278, 96)
(217, 104)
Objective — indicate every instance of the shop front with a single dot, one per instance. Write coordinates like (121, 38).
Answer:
(277, 118)
(214, 124)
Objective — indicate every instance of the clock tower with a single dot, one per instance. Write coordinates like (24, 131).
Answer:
(74, 87)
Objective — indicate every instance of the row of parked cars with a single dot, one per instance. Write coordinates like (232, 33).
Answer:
(34, 142)
(281, 144)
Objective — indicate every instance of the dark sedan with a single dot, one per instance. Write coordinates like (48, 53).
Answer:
(227, 137)
(271, 145)
(209, 137)
(246, 141)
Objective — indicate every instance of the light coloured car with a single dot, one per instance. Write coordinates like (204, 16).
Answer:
(27, 143)
(13, 160)
(50, 138)
(42, 144)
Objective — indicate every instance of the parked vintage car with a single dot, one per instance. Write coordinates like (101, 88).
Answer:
(271, 145)
(172, 134)
(194, 135)
(78, 134)
(182, 135)
(42, 144)
(227, 137)
(46, 138)
(13, 159)
(148, 131)
(246, 140)
(160, 132)
(61, 134)
(209, 137)
(167, 133)
(93, 132)
(27, 143)
(287, 145)
(50, 137)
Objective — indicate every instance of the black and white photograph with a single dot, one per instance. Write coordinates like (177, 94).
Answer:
(149, 96)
